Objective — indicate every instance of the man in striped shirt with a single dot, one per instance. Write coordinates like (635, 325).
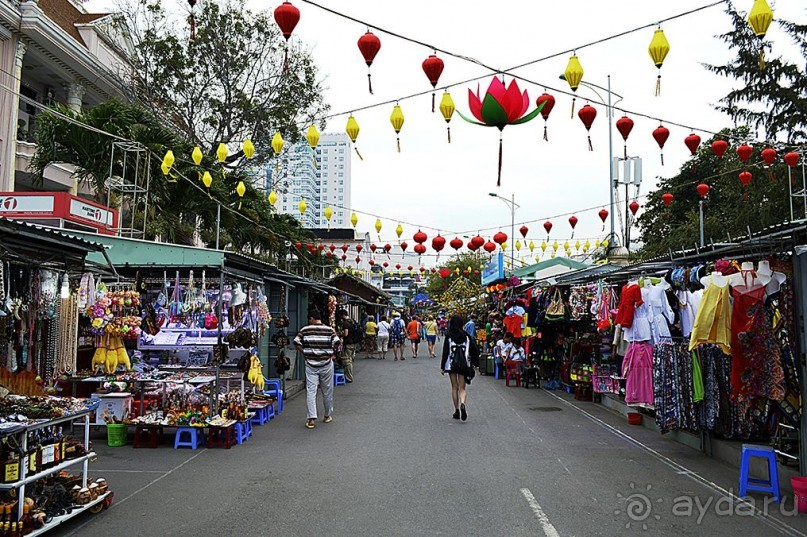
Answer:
(318, 343)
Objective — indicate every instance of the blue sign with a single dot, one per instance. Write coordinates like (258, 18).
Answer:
(493, 270)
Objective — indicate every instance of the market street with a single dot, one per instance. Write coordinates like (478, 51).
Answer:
(393, 462)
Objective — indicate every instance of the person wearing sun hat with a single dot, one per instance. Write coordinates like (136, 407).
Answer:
(397, 335)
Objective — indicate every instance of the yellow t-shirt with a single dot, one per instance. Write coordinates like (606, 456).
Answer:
(431, 328)
(370, 328)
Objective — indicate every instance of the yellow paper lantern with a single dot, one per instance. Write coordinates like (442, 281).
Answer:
(248, 148)
(577, 246)
(555, 246)
(197, 155)
(457, 270)
(597, 243)
(587, 246)
(537, 259)
(207, 179)
(605, 243)
(573, 75)
(532, 246)
(397, 120)
(447, 109)
(165, 168)
(518, 246)
(222, 153)
(312, 136)
(658, 49)
(352, 130)
(399, 230)
(760, 19)
(566, 246)
(277, 143)
(168, 159)
(272, 198)
(354, 219)
(302, 207)
(504, 246)
(543, 246)
(328, 214)
(378, 225)
(240, 189)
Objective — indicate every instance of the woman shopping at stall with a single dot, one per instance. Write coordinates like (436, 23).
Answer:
(460, 354)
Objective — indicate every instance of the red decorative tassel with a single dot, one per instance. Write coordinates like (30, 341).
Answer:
(590, 147)
(432, 102)
(370, 83)
(626, 151)
(499, 181)
(546, 136)
(662, 159)
(286, 58)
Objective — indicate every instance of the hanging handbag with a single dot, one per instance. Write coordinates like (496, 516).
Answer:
(556, 310)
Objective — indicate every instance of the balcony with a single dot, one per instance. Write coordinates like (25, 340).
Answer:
(58, 176)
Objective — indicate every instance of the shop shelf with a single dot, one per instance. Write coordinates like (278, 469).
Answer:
(64, 518)
(40, 475)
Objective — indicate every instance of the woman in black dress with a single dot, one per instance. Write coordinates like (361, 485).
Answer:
(460, 356)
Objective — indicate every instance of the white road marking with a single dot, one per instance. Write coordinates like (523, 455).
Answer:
(546, 525)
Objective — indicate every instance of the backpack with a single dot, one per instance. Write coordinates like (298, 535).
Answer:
(397, 327)
(458, 354)
(354, 335)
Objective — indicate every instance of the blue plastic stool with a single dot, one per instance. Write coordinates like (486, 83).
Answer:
(191, 437)
(241, 433)
(261, 416)
(339, 379)
(270, 411)
(272, 387)
(249, 428)
(770, 485)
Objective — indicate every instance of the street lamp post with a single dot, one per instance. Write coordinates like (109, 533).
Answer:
(513, 206)
(610, 113)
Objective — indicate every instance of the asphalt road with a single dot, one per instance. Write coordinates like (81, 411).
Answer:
(394, 463)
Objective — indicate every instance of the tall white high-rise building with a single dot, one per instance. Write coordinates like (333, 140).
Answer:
(324, 184)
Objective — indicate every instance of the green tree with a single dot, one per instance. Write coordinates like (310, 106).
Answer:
(730, 209)
(228, 82)
(437, 285)
(773, 99)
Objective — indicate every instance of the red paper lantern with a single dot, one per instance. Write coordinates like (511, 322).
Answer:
(438, 243)
(692, 142)
(791, 159)
(719, 147)
(603, 214)
(667, 198)
(371, 262)
(624, 125)
(373, 247)
(549, 104)
(321, 247)
(434, 270)
(661, 133)
(420, 249)
(433, 68)
(572, 222)
(548, 227)
(287, 16)
(444, 273)
(490, 247)
(398, 266)
(587, 114)
(344, 248)
(634, 207)
(404, 246)
(471, 246)
(702, 189)
(524, 230)
(298, 245)
(385, 264)
(329, 254)
(387, 248)
(745, 177)
(768, 155)
(358, 260)
(332, 247)
(369, 45)
(420, 237)
(344, 257)
(500, 238)
(476, 273)
(410, 267)
(479, 242)
(744, 152)
(456, 243)
(359, 248)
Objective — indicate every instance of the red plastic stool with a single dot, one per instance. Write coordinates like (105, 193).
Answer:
(147, 436)
(222, 437)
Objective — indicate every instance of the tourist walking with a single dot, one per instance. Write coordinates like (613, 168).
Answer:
(382, 338)
(460, 355)
(370, 333)
(413, 329)
(470, 327)
(431, 334)
(318, 343)
(397, 335)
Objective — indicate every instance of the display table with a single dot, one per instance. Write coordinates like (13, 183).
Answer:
(113, 406)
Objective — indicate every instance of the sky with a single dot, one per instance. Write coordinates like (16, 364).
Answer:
(440, 186)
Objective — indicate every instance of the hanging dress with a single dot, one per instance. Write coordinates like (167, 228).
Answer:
(713, 322)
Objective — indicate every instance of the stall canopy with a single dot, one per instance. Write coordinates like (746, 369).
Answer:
(366, 293)
(30, 243)
(548, 268)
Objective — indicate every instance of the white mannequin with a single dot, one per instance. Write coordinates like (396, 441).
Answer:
(745, 277)
(770, 279)
(715, 278)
